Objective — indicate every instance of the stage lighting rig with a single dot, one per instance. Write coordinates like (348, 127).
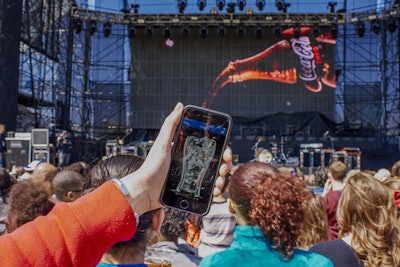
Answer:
(334, 30)
(148, 31)
(376, 26)
(167, 32)
(360, 28)
(221, 31)
(182, 4)
(135, 8)
(241, 4)
(296, 30)
(259, 32)
(315, 31)
(391, 25)
(331, 6)
(241, 31)
(107, 28)
(92, 26)
(260, 4)
(77, 23)
(231, 8)
(220, 4)
(132, 31)
(281, 5)
(201, 4)
(185, 31)
(277, 31)
(203, 32)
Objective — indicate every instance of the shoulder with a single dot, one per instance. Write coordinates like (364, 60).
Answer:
(309, 258)
(223, 258)
(340, 253)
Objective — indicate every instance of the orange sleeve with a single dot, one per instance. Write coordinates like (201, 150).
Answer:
(73, 234)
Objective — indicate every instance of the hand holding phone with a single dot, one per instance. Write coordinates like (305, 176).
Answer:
(199, 144)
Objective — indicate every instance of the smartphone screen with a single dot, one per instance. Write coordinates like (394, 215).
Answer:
(199, 144)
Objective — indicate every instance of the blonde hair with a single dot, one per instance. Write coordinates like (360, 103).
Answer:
(367, 212)
(315, 226)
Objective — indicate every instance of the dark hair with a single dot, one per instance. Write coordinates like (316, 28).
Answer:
(118, 167)
(320, 176)
(114, 167)
(5, 181)
(174, 225)
(271, 200)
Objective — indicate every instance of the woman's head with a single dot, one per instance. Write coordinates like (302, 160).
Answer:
(366, 211)
(271, 200)
(315, 227)
(26, 202)
(118, 167)
(243, 184)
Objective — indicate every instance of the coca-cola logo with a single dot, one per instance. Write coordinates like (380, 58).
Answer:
(302, 47)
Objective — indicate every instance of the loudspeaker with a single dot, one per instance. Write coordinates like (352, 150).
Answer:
(18, 152)
(40, 137)
(42, 154)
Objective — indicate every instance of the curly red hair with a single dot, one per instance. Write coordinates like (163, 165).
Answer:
(271, 200)
(279, 212)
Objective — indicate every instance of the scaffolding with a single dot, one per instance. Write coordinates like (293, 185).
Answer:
(67, 70)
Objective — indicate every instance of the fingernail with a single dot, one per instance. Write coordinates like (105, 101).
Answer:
(177, 106)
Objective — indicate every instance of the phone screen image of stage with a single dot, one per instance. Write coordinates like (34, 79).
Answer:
(195, 163)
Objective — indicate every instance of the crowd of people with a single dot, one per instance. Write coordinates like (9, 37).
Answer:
(109, 214)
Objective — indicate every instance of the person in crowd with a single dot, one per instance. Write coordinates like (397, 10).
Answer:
(382, 174)
(393, 183)
(131, 251)
(43, 176)
(64, 147)
(217, 226)
(315, 228)
(171, 236)
(17, 171)
(330, 196)
(83, 168)
(369, 226)
(28, 169)
(67, 186)
(318, 179)
(3, 146)
(395, 170)
(26, 203)
(6, 181)
(80, 234)
(269, 209)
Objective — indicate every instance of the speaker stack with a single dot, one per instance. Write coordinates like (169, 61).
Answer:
(40, 145)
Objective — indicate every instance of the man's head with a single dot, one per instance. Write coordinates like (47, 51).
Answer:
(43, 176)
(337, 171)
(67, 185)
(2, 128)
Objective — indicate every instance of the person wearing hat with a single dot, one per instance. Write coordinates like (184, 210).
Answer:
(29, 169)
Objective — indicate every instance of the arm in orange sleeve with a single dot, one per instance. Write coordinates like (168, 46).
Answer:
(73, 234)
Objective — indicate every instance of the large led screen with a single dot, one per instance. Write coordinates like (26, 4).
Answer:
(244, 76)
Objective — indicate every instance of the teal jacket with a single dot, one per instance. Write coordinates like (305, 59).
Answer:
(251, 248)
